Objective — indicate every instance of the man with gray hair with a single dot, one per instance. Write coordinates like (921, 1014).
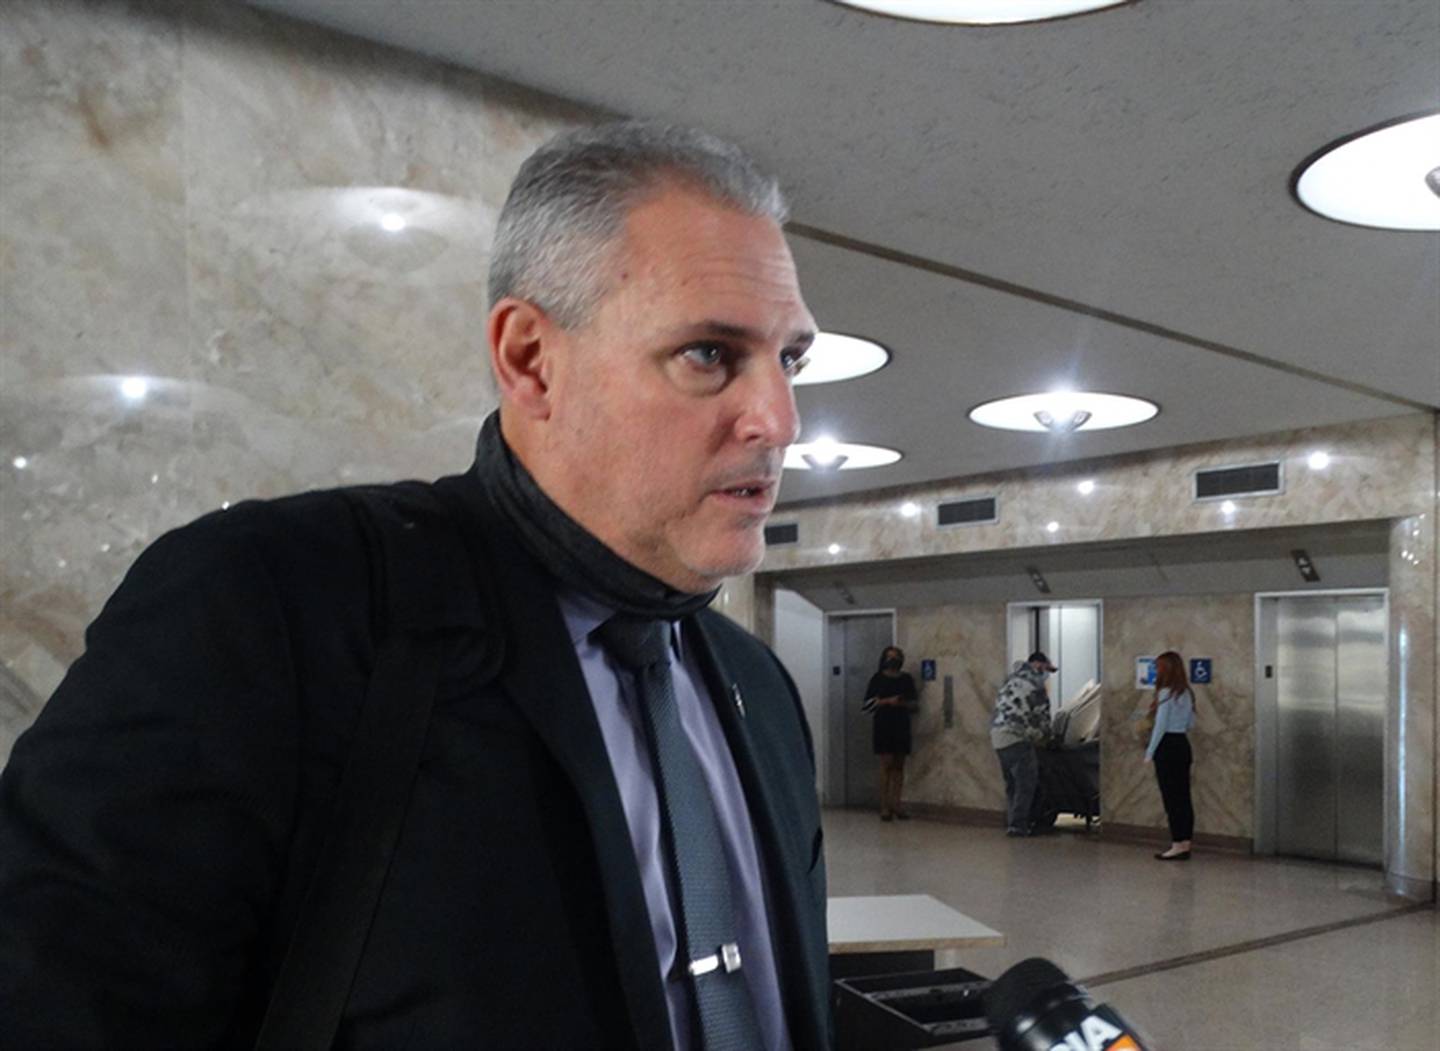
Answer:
(467, 763)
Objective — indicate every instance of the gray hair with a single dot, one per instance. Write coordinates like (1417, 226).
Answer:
(569, 202)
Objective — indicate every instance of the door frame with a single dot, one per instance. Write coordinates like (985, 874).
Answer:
(1262, 837)
(1098, 603)
(836, 756)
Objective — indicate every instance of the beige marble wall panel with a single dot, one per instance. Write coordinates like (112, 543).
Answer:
(738, 601)
(955, 766)
(1410, 732)
(190, 193)
(92, 211)
(300, 298)
(1221, 627)
(1378, 469)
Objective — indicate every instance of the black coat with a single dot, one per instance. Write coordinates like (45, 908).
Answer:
(159, 821)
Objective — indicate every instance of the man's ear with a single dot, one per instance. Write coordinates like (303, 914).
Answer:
(522, 342)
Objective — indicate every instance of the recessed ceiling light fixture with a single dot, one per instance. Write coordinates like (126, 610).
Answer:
(835, 356)
(826, 454)
(1086, 487)
(1064, 412)
(980, 12)
(1319, 460)
(1386, 177)
(392, 222)
(134, 388)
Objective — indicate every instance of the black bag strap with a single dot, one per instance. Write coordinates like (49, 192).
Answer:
(319, 968)
(315, 978)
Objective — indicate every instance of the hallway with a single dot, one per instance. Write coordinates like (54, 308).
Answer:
(1228, 951)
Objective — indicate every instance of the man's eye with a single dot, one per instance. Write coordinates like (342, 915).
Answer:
(706, 355)
(794, 362)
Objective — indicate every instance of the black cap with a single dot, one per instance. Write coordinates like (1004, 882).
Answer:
(1038, 657)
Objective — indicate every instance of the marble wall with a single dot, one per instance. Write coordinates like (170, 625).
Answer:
(955, 766)
(1221, 627)
(197, 300)
(1377, 469)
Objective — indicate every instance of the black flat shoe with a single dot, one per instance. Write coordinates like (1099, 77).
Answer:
(1184, 855)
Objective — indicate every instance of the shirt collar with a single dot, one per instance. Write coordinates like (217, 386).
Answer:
(584, 614)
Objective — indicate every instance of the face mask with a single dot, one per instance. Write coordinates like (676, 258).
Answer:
(893, 664)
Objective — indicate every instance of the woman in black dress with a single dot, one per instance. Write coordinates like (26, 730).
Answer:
(891, 698)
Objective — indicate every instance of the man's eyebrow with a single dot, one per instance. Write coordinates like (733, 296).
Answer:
(801, 337)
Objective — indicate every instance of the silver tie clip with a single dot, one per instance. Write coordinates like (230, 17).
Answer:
(739, 701)
(728, 957)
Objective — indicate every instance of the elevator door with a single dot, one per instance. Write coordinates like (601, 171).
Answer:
(855, 645)
(1330, 668)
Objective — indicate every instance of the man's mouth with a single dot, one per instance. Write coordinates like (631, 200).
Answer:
(749, 489)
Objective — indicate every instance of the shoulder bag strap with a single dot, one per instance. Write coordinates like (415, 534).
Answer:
(319, 968)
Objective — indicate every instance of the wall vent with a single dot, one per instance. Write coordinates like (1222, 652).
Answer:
(1252, 479)
(782, 533)
(982, 510)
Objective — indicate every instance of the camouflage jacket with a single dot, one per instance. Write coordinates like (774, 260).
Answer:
(1022, 708)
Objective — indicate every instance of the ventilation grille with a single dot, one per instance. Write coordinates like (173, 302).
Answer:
(968, 512)
(784, 533)
(1258, 479)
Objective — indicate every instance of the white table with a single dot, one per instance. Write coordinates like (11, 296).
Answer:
(887, 933)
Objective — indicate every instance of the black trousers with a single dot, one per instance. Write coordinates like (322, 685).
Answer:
(1172, 770)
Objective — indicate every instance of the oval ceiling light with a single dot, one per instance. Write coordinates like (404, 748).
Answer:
(826, 454)
(835, 356)
(980, 12)
(1387, 177)
(1064, 412)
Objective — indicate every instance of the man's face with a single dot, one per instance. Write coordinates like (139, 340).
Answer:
(671, 407)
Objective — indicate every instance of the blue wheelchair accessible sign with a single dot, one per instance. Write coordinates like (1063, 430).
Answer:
(927, 671)
(1144, 672)
(1201, 670)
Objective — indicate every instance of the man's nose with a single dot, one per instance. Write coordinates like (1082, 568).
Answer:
(768, 416)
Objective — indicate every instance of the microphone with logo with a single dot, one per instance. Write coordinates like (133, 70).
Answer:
(1034, 1007)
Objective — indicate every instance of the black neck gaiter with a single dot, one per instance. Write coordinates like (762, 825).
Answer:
(563, 546)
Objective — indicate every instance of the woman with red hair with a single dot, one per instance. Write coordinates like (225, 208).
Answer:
(1169, 749)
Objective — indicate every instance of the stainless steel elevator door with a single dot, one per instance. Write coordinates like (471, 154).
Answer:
(855, 645)
(1331, 667)
(1361, 686)
(1305, 694)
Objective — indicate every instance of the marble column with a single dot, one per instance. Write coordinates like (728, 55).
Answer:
(1410, 733)
(737, 601)
(763, 624)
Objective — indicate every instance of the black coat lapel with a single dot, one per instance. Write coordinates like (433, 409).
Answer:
(542, 676)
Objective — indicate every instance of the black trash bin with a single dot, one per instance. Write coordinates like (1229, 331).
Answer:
(896, 1012)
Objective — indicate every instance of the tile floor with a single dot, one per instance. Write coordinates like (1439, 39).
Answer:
(1110, 915)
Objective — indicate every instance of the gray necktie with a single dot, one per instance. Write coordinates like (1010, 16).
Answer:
(709, 953)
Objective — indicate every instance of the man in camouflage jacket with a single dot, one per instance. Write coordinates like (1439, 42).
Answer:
(1021, 721)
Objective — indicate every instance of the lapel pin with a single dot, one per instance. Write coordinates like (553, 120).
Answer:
(739, 701)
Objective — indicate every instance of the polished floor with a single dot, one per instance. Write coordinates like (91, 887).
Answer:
(1223, 952)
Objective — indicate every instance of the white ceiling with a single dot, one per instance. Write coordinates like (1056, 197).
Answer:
(1101, 200)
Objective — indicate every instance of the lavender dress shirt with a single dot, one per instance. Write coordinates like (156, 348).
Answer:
(612, 691)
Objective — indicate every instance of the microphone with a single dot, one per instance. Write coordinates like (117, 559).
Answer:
(1034, 1007)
